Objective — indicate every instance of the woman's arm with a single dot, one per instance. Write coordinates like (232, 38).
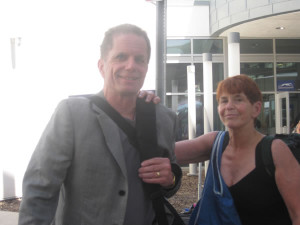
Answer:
(287, 176)
(195, 150)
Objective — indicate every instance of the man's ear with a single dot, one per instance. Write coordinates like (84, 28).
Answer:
(100, 67)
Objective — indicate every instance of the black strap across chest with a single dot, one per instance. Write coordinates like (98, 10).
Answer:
(144, 139)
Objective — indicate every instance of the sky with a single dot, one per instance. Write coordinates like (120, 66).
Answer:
(61, 38)
(57, 50)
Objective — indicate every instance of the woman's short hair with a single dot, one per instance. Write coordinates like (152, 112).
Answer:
(107, 43)
(240, 84)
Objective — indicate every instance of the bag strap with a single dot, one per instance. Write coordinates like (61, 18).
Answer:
(217, 151)
(116, 117)
(266, 154)
(144, 139)
(291, 140)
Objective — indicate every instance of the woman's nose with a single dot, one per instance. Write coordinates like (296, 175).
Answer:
(229, 104)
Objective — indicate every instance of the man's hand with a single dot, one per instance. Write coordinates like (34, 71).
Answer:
(150, 96)
(157, 171)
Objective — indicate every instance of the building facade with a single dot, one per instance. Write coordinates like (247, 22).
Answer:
(269, 53)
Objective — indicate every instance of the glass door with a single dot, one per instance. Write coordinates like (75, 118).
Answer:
(282, 113)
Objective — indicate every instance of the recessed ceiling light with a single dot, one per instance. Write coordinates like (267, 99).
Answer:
(280, 28)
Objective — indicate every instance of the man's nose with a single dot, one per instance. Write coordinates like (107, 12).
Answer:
(130, 63)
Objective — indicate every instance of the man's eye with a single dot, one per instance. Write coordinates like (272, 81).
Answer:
(140, 60)
(120, 57)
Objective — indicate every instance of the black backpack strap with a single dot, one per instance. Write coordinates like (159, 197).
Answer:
(266, 154)
(146, 129)
(292, 141)
(116, 117)
(147, 141)
(144, 139)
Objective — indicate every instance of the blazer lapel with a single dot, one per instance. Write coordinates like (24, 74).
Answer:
(112, 137)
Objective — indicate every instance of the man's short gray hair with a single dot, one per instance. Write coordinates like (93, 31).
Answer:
(107, 43)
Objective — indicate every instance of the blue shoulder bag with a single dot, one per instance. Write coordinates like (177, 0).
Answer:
(216, 206)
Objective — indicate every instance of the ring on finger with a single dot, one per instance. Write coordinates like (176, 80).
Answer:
(157, 174)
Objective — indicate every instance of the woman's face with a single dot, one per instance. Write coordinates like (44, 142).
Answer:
(236, 111)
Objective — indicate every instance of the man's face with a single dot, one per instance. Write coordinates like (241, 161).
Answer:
(125, 67)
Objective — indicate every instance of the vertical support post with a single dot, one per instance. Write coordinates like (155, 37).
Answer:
(208, 92)
(208, 107)
(191, 111)
(234, 54)
(161, 18)
(174, 97)
(13, 52)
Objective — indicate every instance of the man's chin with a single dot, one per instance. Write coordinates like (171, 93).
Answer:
(130, 93)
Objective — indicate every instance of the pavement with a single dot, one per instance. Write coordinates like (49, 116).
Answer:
(11, 218)
(8, 218)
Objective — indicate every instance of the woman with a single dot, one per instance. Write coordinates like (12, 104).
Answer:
(258, 197)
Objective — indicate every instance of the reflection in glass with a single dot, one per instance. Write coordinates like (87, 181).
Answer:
(266, 119)
(287, 46)
(214, 46)
(179, 46)
(262, 73)
(182, 113)
(178, 72)
(288, 76)
(256, 46)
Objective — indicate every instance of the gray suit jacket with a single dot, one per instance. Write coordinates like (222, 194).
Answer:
(80, 158)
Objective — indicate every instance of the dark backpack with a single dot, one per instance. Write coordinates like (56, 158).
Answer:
(291, 140)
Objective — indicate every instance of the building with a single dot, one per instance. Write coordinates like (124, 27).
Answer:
(269, 43)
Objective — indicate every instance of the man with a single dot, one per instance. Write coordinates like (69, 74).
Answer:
(85, 163)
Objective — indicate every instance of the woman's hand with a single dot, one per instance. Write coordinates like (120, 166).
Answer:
(150, 96)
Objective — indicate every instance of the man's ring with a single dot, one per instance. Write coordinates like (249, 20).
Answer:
(157, 174)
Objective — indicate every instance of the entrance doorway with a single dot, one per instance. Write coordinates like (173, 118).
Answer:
(282, 113)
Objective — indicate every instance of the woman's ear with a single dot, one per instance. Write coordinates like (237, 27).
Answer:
(257, 108)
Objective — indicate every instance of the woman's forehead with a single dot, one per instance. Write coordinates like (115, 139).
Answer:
(227, 93)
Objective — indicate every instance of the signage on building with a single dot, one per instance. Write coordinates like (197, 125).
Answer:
(285, 85)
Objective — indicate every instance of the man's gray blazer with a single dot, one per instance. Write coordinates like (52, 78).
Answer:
(80, 156)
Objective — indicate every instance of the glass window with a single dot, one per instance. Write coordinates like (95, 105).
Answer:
(180, 105)
(176, 78)
(218, 74)
(218, 125)
(288, 76)
(287, 46)
(262, 73)
(178, 46)
(214, 46)
(266, 120)
(256, 46)
(177, 75)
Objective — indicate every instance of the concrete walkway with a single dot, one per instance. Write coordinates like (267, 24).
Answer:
(8, 218)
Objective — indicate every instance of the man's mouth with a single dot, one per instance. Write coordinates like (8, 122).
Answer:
(128, 78)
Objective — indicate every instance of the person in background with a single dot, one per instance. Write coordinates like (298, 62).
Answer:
(295, 126)
(84, 169)
(259, 198)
